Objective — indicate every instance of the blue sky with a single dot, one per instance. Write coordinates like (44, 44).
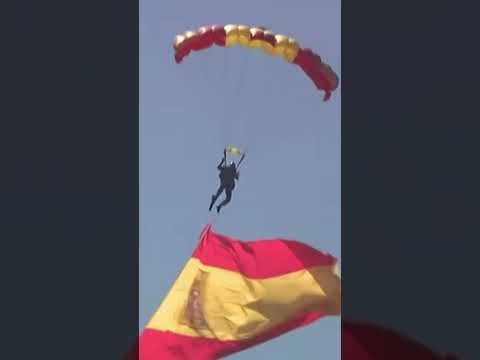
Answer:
(290, 180)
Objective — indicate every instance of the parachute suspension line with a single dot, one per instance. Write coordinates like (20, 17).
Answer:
(231, 104)
(238, 116)
(285, 47)
(247, 123)
(223, 89)
(206, 75)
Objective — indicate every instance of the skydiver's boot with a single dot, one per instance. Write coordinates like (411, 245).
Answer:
(222, 204)
(211, 203)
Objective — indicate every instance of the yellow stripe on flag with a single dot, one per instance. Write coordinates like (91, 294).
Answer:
(215, 303)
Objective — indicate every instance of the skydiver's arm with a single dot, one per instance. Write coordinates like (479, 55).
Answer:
(224, 160)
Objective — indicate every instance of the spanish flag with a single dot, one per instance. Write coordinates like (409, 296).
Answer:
(233, 294)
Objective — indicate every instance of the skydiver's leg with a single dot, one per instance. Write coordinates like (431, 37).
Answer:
(228, 193)
(215, 197)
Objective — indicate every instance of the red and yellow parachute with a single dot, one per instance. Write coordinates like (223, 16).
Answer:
(283, 46)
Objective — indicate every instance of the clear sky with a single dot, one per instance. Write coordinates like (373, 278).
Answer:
(290, 180)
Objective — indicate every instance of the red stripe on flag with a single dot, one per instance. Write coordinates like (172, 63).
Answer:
(258, 259)
(164, 345)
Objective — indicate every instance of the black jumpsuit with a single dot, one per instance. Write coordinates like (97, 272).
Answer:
(228, 174)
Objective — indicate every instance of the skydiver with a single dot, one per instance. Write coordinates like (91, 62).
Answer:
(228, 175)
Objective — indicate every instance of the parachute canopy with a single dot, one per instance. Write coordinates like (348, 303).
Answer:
(283, 46)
